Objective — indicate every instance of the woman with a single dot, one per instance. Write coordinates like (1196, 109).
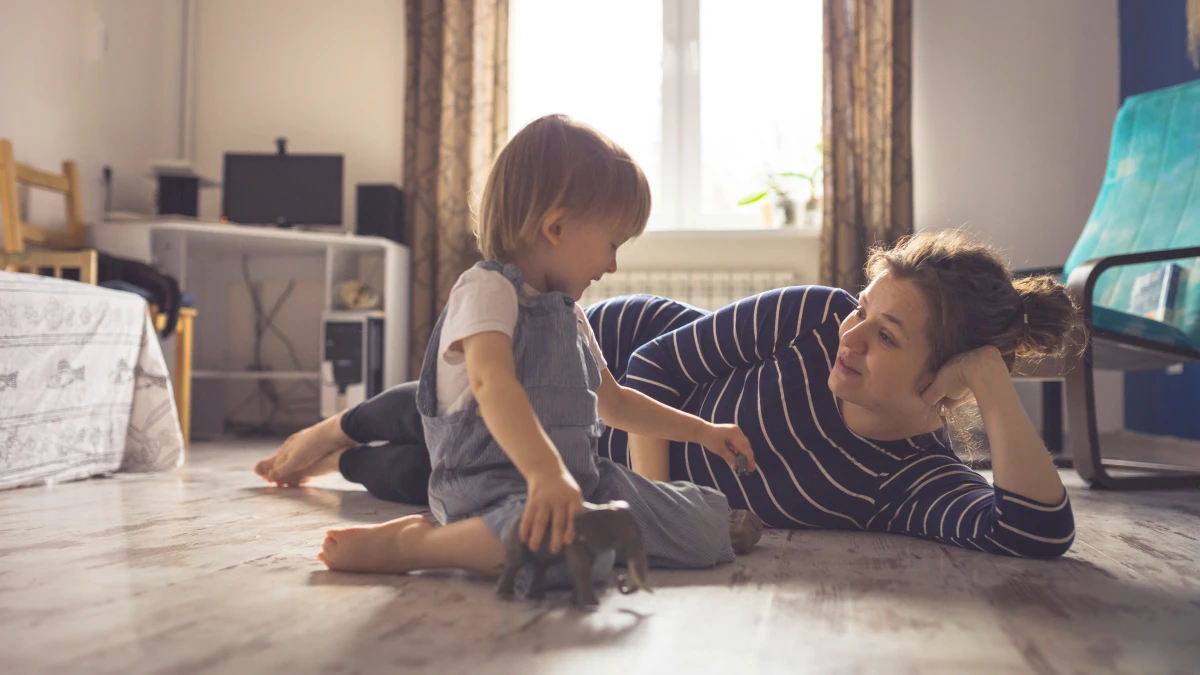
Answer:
(844, 401)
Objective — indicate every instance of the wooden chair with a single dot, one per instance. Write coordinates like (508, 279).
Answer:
(62, 250)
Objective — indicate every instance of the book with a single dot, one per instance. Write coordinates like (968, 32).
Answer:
(1153, 294)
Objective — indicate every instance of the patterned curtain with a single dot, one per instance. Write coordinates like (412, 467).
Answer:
(868, 133)
(455, 121)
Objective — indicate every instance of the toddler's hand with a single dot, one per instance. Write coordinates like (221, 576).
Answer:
(728, 441)
(554, 499)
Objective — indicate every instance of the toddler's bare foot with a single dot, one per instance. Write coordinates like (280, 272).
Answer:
(389, 547)
(303, 449)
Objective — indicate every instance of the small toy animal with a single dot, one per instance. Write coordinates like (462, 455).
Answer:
(598, 528)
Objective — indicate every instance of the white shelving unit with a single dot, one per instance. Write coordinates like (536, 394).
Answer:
(210, 259)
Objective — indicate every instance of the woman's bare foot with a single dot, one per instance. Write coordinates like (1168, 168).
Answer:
(297, 457)
(326, 465)
(389, 547)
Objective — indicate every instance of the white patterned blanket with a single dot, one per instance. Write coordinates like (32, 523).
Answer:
(84, 389)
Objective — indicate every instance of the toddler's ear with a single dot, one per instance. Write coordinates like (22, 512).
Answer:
(552, 225)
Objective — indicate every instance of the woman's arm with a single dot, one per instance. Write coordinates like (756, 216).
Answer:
(936, 497)
(1020, 462)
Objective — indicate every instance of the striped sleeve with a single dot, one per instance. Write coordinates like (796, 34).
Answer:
(742, 334)
(937, 497)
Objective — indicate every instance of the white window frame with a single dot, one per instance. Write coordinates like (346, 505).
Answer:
(681, 143)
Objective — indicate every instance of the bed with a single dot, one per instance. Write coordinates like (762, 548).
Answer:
(84, 388)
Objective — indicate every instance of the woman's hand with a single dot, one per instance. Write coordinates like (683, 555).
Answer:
(956, 380)
(728, 441)
(554, 499)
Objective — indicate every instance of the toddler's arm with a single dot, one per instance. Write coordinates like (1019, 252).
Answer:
(643, 417)
(554, 496)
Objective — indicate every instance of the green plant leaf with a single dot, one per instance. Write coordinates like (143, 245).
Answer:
(752, 198)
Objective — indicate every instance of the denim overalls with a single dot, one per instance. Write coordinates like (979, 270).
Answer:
(682, 525)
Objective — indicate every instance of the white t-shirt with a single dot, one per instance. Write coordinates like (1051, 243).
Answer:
(481, 301)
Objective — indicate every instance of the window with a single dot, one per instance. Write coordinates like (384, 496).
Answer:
(714, 98)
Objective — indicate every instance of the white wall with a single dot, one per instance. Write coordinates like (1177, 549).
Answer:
(96, 81)
(328, 76)
(1013, 105)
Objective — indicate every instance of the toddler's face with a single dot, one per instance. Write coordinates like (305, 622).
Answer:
(585, 252)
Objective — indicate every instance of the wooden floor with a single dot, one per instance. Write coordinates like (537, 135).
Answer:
(208, 571)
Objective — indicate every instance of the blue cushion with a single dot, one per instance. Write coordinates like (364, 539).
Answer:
(1130, 324)
(1150, 200)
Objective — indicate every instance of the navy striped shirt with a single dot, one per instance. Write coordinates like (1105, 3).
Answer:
(763, 363)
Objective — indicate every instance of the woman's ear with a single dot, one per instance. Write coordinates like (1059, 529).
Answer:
(552, 226)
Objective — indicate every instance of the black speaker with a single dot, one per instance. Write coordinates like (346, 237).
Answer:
(381, 213)
(178, 195)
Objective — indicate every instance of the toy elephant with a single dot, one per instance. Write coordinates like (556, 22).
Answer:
(598, 528)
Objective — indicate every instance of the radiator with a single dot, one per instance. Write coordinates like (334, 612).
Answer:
(709, 290)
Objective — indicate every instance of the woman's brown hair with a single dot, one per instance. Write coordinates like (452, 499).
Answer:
(974, 300)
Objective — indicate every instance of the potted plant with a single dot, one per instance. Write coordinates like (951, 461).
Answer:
(783, 199)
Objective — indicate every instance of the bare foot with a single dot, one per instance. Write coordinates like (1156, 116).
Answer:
(388, 547)
(324, 466)
(296, 457)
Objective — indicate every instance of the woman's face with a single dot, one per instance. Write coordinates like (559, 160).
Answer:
(882, 361)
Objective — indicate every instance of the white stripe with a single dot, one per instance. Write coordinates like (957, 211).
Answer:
(958, 525)
(906, 468)
(989, 538)
(757, 299)
(778, 311)
(828, 362)
(908, 525)
(910, 442)
(637, 326)
(800, 318)
(868, 442)
(682, 311)
(737, 410)
(914, 491)
(1045, 540)
(639, 356)
(877, 512)
(737, 341)
(717, 342)
(942, 527)
(950, 471)
(813, 411)
(699, 351)
(828, 302)
(620, 317)
(789, 468)
(975, 532)
(1037, 507)
(658, 384)
(679, 357)
(787, 416)
(659, 311)
(972, 542)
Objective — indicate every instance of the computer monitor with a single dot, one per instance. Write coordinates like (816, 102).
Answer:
(282, 189)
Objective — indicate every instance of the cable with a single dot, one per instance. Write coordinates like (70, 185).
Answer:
(271, 401)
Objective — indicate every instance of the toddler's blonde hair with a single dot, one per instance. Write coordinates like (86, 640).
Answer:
(558, 163)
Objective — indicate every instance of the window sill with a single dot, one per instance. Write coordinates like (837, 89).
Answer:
(774, 233)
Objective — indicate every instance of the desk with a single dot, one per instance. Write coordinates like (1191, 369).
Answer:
(210, 259)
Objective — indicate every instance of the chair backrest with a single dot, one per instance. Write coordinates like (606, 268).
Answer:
(17, 232)
(1150, 199)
